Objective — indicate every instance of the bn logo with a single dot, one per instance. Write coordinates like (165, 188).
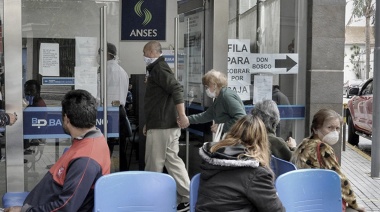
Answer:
(43, 122)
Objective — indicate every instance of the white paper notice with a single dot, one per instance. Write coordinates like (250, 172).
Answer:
(86, 51)
(86, 79)
(49, 59)
(262, 89)
(239, 74)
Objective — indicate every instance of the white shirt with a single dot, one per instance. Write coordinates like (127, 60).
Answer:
(117, 83)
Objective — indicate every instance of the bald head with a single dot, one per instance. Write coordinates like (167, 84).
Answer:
(152, 49)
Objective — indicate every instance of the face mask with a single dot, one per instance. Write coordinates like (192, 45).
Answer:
(331, 138)
(149, 60)
(210, 94)
(29, 99)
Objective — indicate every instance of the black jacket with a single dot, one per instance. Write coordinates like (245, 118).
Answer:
(163, 93)
(231, 184)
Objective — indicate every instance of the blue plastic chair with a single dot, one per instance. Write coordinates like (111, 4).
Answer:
(135, 191)
(14, 199)
(280, 166)
(310, 190)
(194, 185)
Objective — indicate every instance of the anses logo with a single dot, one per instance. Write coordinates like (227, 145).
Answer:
(147, 13)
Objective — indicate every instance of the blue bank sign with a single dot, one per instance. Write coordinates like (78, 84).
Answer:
(46, 122)
(143, 20)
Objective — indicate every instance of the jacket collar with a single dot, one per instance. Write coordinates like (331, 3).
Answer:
(228, 157)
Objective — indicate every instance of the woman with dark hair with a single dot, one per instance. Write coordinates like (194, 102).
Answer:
(235, 172)
(32, 91)
(315, 152)
(268, 112)
(32, 94)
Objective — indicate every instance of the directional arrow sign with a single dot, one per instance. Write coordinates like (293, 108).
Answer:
(274, 63)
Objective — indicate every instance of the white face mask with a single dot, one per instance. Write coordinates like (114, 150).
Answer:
(331, 138)
(149, 60)
(210, 94)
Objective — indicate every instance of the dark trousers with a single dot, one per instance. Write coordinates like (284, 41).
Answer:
(122, 139)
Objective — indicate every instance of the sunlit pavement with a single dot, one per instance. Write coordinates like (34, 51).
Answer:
(356, 165)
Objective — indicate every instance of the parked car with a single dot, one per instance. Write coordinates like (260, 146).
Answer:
(359, 113)
(352, 86)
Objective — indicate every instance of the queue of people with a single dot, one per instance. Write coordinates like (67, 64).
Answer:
(235, 172)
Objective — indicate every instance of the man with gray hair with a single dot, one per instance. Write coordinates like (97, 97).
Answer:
(268, 112)
(164, 103)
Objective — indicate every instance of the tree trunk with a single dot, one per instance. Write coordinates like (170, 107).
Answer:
(367, 47)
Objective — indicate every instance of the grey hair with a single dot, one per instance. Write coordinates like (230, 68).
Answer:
(268, 112)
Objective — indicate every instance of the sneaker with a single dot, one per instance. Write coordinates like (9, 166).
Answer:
(184, 206)
(28, 152)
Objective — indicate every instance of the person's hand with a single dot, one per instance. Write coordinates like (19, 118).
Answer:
(183, 122)
(12, 118)
(13, 209)
(214, 128)
(144, 130)
(360, 208)
(291, 142)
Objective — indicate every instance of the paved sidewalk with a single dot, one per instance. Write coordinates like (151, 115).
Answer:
(357, 167)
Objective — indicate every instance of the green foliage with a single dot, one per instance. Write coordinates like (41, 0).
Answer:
(363, 8)
(366, 9)
(355, 59)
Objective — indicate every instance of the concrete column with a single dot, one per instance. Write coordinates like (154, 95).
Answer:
(325, 59)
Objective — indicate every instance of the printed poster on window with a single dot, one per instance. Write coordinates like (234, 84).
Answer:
(86, 79)
(239, 74)
(49, 59)
(86, 51)
(262, 88)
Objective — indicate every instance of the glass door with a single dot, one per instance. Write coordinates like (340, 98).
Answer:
(190, 70)
(59, 42)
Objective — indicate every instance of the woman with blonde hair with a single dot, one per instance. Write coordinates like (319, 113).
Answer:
(235, 172)
(227, 107)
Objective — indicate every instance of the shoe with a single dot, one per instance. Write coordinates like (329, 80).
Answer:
(184, 206)
(28, 152)
(34, 142)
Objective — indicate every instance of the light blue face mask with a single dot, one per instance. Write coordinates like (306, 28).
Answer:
(29, 99)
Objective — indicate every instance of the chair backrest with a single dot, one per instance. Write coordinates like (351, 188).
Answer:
(14, 199)
(280, 166)
(194, 185)
(135, 191)
(310, 190)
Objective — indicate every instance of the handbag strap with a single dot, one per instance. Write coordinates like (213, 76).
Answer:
(319, 156)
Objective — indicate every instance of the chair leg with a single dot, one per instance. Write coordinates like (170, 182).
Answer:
(130, 157)
(132, 148)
